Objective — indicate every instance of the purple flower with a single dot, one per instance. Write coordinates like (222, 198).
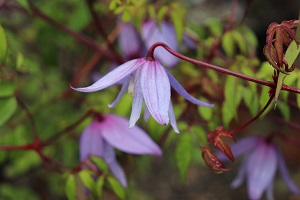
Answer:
(148, 81)
(165, 32)
(130, 41)
(259, 167)
(100, 138)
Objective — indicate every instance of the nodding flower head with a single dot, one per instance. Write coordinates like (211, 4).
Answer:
(165, 32)
(101, 137)
(259, 167)
(148, 81)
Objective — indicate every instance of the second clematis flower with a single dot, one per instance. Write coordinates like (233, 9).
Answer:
(259, 167)
(109, 132)
(146, 80)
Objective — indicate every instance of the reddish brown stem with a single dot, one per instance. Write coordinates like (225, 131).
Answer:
(254, 118)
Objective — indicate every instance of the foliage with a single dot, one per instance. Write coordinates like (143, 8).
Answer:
(46, 46)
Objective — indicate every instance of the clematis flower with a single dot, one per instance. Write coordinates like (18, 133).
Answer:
(148, 81)
(165, 32)
(259, 167)
(129, 41)
(102, 136)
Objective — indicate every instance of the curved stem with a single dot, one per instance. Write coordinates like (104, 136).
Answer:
(150, 56)
(254, 118)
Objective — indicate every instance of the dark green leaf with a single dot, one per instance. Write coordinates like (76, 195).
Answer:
(7, 108)
(7, 89)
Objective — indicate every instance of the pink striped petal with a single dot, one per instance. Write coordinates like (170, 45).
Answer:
(261, 169)
(131, 140)
(91, 142)
(114, 76)
(156, 90)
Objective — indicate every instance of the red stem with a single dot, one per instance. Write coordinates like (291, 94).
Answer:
(254, 118)
(150, 56)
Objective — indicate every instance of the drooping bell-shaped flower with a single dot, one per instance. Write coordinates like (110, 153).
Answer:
(164, 32)
(102, 136)
(148, 81)
(259, 167)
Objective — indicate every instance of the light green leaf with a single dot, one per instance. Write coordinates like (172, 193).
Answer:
(240, 41)
(184, 151)
(215, 26)
(178, 25)
(227, 44)
(7, 108)
(70, 187)
(126, 17)
(206, 113)
(292, 53)
(87, 180)
(281, 78)
(99, 186)
(7, 88)
(3, 45)
(161, 13)
(101, 164)
(116, 187)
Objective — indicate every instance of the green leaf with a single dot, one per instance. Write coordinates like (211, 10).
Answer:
(126, 17)
(298, 86)
(25, 4)
(281, 78)
(178, 25)
(184, 151)
(215, 26)
(116, 187)
(161, 13)
(240, 41)
(70, 188)
(7, 108)
(3, 45)
(101, 164)
(292, 53)
(19, 61)
(285, 111)
(87, 180)
(7, 89)
(205, 112)
(99, 186)
(227, 44)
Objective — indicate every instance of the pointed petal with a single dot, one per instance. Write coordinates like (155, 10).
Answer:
(130, 140)
(241, 147)
(261, 169)
(176, 85)
(137, 103)
(240, 178)
(121, 93)
(110, 158)
(91, 142)
(156, 90)
(269, 192)
(172, 118)
(146, 114)
(285, 175)
(113, 76)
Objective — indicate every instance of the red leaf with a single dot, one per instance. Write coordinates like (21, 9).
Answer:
(212, 161)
